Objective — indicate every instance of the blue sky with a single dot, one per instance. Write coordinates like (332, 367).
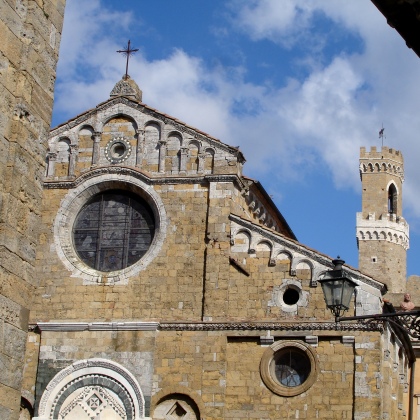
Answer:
(299, 85)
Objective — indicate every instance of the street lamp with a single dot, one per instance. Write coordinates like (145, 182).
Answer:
(338, 289)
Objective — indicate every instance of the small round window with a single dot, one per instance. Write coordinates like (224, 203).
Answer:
(289, 368)
(113, 230)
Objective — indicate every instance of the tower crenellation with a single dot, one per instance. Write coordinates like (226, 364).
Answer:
(382, 232)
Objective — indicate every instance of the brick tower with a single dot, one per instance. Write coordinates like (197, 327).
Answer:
(382, 233)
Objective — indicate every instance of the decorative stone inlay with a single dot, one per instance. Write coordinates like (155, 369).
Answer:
(118, 150)
(128, 106)
(208, 326)
(93, 385)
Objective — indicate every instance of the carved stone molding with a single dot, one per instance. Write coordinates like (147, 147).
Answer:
(104, 170)
(207, 326)
(92, 375)
(96, 326)
(177, 125)
(304, 252)
(272, 326)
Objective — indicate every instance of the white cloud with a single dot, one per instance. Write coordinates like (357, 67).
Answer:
(321, 120)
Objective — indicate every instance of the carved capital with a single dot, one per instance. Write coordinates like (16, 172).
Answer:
(97, 136)
(52, 156)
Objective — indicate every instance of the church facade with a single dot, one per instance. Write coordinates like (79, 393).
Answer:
(160, 282)
(170, 286)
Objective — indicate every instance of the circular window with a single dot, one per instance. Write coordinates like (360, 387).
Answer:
(113, 230)
(291, 296)
(289, 368)
(118, 150)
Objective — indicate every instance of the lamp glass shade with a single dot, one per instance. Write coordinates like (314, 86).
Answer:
(338, 292)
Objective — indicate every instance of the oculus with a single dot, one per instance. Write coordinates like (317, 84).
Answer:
(118, 150)
(113, 230)
(289, 368)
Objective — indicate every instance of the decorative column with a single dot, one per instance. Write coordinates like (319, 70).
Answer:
(96, 147)
(140, 146)
(52, 158)
(162, 155)
(201, 159)
(74, 148)
(183, 160)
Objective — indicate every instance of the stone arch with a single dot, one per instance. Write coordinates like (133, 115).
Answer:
(26, 410)
(152, 136)
(172, 157)
(264, 246)
(384, 167)
(194, 147)
(241, 241)
(362, 235)
(392, 198)
(303, 267)
(377, 167)
(87, 386)
(382, 235)
(177, 402)
(128, 113)
(63, 157)
(370, 167)
(209, 160)
(284, 255)
(285, 259)
(85, 137)
(119, 124)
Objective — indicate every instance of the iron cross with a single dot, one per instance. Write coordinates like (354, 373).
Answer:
(127, 52)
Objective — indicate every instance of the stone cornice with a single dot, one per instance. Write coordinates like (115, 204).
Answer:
(395, 230)
(143, 177)
(272, 326)
(204, 326)
(96, 326)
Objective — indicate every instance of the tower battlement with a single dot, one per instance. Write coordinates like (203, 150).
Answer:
(381, 153)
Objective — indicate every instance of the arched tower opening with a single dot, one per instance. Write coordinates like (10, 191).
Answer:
(392, 199)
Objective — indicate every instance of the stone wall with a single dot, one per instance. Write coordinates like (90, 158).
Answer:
(30, 33)
(218, 374)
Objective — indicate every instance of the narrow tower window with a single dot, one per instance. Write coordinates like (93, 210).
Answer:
(392, 199)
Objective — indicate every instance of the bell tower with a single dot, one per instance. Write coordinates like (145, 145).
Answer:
(381, 231)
